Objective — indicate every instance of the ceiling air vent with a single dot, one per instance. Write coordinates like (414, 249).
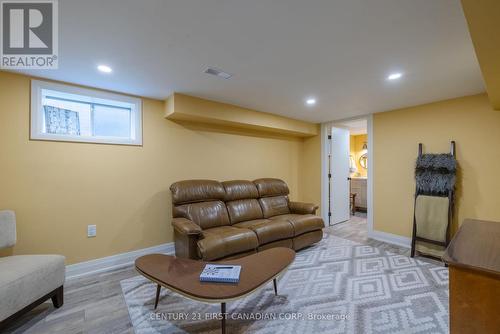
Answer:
(217, 72)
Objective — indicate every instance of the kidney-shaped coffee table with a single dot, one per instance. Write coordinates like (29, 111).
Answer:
(183, 276)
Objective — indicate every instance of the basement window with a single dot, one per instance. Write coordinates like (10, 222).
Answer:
(68, 113)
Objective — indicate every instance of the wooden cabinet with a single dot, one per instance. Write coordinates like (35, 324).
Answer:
(358, 187)
(474, 260)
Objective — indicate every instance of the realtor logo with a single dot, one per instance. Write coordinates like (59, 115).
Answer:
(29, 34)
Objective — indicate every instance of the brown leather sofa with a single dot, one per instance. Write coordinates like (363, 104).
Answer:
(218, 220)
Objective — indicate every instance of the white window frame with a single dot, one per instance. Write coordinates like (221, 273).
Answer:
(36, 131)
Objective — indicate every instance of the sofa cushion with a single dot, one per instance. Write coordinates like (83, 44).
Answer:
(274, 206)
(26, 278)
(240, 189)
(205, 214)
(244, 209)
(269, 230)
(271, 187)
(7, 229)
(219, 242)
(191, 191)
(302, 223)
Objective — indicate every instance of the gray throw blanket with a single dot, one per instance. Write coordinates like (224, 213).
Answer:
(435, 174)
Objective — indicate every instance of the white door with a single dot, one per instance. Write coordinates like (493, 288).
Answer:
(339, 182)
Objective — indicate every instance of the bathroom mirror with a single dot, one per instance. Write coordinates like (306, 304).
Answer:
(363, 161)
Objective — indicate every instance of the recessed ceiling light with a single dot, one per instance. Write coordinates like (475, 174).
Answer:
(104, 69)
(311, 101)
(394, 76)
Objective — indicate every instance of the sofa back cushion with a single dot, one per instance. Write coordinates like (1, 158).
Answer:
(7, 229)
(240, 189)
(205, 214)
(243, 210)
(273, 206)
(192, 191)
(273, 195)
(241, 201)
(271, 187)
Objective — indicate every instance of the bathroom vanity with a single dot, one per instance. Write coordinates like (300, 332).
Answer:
(358, 187)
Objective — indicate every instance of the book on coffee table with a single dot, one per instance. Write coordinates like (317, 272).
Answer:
(220, 273)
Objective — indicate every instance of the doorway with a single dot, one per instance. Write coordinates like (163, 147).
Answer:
(347, 180)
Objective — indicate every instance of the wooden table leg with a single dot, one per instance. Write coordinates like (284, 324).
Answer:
(223, 312)
(158, 288)
(275, 287)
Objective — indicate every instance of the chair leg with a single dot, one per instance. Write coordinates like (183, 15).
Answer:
(58, 297)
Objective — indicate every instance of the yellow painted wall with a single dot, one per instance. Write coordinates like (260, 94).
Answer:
(58, 188)
(472, 123)
(310, 171)
(356, 151)
(483, 18)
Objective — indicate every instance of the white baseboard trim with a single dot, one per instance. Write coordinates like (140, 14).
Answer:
(114, 261)
(126, 259)
(390, 238)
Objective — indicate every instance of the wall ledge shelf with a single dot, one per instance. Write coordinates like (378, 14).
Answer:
(185, 108)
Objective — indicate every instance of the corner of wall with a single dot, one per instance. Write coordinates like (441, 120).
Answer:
(310, 171)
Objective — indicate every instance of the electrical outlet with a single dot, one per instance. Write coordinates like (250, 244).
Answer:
(91, 231)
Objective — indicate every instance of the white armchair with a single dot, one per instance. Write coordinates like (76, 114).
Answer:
(26, 280)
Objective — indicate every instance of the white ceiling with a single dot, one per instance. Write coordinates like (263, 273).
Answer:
(279, 51)
(355, 127)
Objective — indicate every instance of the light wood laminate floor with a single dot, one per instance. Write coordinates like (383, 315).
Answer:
(95, 303)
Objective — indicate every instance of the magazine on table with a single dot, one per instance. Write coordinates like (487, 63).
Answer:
(221, 273)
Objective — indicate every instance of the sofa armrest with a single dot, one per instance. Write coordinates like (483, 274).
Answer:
(186, 236)
(186, 226)
(303, 208)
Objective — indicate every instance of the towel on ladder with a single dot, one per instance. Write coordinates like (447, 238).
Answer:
(431, 217)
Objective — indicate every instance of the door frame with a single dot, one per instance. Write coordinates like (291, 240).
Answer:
(325, 148)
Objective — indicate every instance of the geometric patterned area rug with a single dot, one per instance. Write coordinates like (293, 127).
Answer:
(336, 286)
